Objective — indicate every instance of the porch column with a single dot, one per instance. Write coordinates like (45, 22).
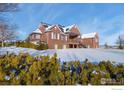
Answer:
(73, 46)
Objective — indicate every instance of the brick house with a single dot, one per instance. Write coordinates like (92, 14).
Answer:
(57, 36)
(90, 40)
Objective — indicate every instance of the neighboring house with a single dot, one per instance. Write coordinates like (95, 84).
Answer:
(90, 40)
(57, 36)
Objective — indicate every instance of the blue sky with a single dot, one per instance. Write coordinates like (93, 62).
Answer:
(106, 19)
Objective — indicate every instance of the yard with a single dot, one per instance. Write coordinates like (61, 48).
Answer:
(94, 55)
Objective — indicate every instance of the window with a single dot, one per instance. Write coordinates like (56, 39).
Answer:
(37, 36)
(34, 36)
(79, 36)
(62, 37)
(66, 38)
(52, 35)
(58, 36)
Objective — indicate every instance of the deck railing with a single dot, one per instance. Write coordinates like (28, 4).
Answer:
(74, 40)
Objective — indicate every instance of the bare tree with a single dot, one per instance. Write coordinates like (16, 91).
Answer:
(106, 45)
(7, 33)
(7, 30)
(120, 41)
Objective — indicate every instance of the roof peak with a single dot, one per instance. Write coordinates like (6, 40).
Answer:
(37, 31)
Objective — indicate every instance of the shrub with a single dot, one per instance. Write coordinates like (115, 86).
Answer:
(24, 69)
(40, 46)
(121, 47)
(25, 45)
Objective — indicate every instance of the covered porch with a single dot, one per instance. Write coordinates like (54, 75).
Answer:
(73, 45)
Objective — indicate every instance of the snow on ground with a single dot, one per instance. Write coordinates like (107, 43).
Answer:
(94, 55)
(17, 50)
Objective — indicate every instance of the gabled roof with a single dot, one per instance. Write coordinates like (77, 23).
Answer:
(89, 35)
(68, 28)
(64, 29)
(38, 31)
(49, 27)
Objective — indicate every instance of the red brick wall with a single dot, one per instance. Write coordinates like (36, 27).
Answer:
(91, 42)
(75, 29)
(42, 28)
(43, 36)
(52, 42)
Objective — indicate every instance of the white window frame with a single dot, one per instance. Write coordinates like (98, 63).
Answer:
(37, 36)
(79, 36)
(61, 36)
(58, 36)
(52, 36)
(66, 38)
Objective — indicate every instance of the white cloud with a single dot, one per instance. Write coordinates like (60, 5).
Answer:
(49, 12)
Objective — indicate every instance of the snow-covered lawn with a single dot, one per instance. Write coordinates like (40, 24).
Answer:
(33, 52)
(94, 55)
